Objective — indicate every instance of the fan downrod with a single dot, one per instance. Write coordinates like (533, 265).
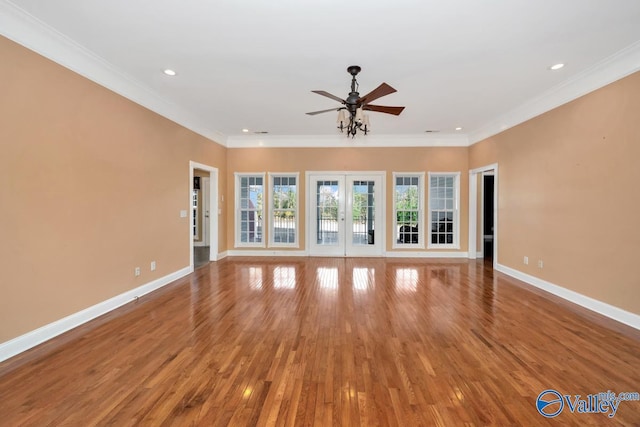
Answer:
(352, 99)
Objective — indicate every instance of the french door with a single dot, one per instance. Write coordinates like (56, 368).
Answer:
(345, 214)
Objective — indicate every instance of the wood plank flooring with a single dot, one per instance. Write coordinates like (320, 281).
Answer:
(327, 342)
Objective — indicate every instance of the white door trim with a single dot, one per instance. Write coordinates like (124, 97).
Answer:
(213, 210)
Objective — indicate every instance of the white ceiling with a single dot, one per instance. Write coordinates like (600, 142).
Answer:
(253, 63)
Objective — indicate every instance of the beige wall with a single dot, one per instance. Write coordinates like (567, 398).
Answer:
(401, 159)
(91, 186)
(568, 194)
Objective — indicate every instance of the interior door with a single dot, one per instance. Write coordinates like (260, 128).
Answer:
(345, 214)
(206, 205)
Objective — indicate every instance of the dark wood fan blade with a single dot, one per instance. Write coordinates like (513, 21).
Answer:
(384, 109)
(380, 91)
(328, 95)
(313, 113)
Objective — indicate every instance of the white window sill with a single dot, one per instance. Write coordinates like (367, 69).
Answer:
(443, 246)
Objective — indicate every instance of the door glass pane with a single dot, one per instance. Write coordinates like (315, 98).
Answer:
(327, 212)
(363, 213)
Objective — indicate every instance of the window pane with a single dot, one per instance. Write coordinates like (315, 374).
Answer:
(249, 216)
(284, 212)
(407, 209)
(442, 201)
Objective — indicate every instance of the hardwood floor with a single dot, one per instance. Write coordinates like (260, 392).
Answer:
(326, 341)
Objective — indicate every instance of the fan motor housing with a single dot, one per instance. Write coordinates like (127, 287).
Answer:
(352, 99)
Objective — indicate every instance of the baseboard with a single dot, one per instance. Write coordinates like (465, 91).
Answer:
(266, 252)
(425, 254)
(38, 336)
(388, 254)
(222, 255)
(600, 307)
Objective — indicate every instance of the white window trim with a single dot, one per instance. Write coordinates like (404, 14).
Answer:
(238, 243)
(456, 213)
(421, 202)
(273, 244)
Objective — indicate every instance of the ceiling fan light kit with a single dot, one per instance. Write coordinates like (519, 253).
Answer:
(352, 123)
(351, 117)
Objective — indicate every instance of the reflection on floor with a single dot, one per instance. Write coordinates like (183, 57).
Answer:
(275, 341)
(200, 256)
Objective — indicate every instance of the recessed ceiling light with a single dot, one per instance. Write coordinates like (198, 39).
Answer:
(245, 130)
(458, 128)
(556, 67)
(169, 72)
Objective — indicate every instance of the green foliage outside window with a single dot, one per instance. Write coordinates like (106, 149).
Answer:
(284, 203)
(407, 206)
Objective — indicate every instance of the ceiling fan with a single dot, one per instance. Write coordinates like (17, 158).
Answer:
(350, 114)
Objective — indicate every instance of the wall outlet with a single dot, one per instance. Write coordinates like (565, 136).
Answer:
(540, 264)
(183, 213)
(526, 260)
(153, 265)
(137, 271)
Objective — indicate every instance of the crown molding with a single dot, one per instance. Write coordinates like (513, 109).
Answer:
(28, 31)
(610, 69)
(307, 141)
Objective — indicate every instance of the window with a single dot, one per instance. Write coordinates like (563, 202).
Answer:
(249, 209)
(444, 216)
(408, 215)
(283, 215)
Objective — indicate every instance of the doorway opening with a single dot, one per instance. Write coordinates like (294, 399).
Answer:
(203, 214)
(488, 179)
(483, 214)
